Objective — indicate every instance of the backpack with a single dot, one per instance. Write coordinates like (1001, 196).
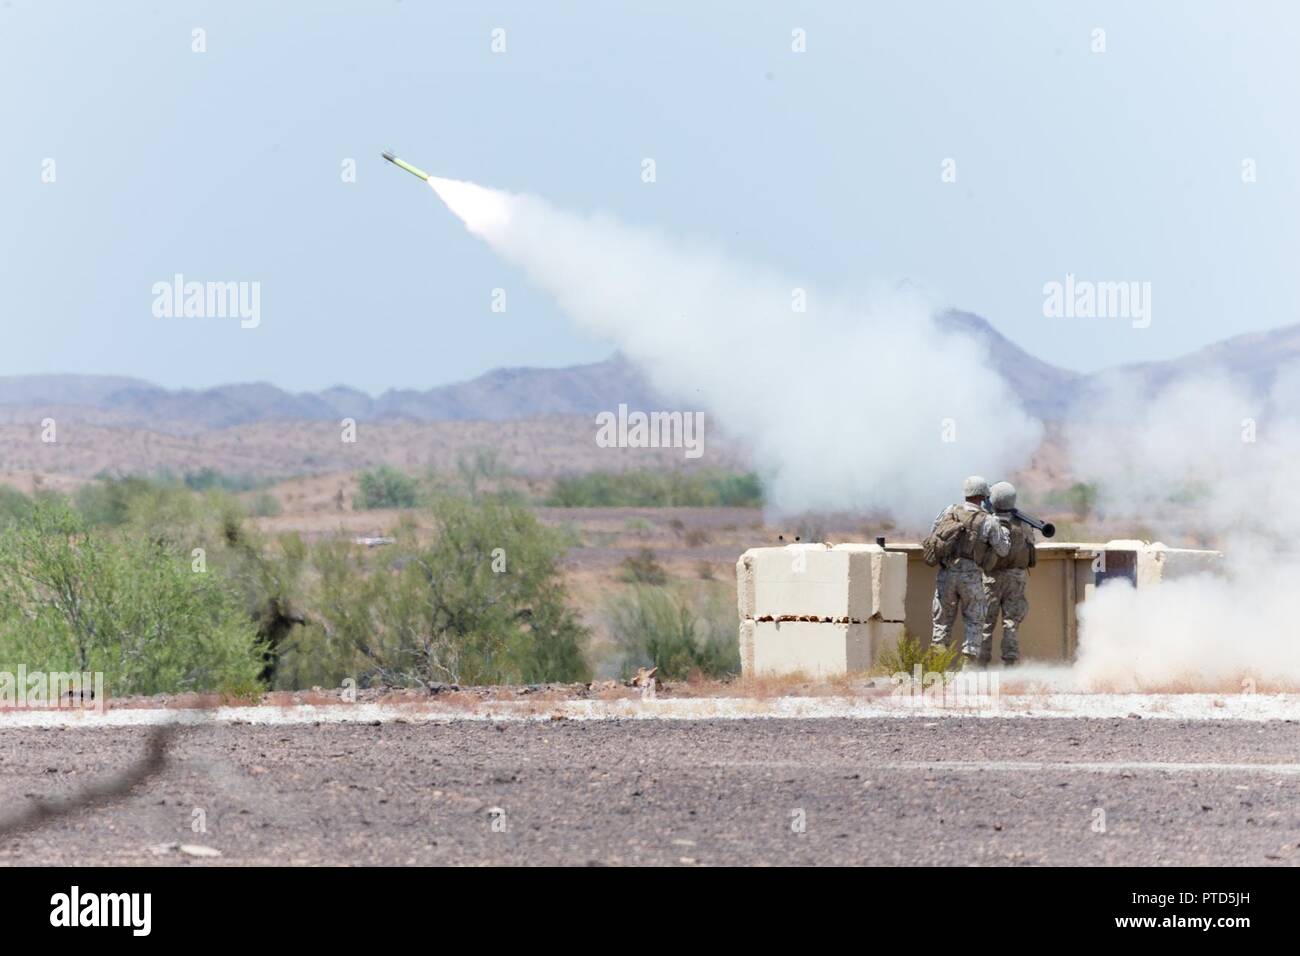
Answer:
(953, 537)
(1023, 554)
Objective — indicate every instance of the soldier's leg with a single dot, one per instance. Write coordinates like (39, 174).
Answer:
(992, 611)
(970, 592)
(1014, 608)
(943, 608)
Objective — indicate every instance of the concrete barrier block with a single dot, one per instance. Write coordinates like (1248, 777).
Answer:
(814, 648)
(1157, 563)
(746, 646)
(885, 635)
(888, 580)
(855, 582)
(745, 584)
(1147, 564)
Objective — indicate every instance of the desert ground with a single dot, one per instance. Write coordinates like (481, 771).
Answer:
(955, 791)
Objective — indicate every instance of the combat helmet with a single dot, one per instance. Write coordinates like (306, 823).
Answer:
(975, 487)
(1003, 496)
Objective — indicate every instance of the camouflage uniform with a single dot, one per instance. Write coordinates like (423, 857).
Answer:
(960, 585)
(1004, 594)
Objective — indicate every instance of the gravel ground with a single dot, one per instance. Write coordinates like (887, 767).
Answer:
(890, 791)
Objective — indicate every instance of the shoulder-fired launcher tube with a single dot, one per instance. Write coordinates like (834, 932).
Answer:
(1048, 529)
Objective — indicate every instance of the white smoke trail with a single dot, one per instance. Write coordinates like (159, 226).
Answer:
(851, 405)
(1211, 455)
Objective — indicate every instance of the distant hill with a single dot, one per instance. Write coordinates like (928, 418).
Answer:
(64, 389)
(509, 394)
(1252, 359)
(1046, 391)
(505, 394)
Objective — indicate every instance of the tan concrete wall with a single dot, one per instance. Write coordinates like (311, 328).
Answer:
(816, 609)
(853, 582)
(852, 600)
(815, 648)
(1063, 578)
(1050, 629)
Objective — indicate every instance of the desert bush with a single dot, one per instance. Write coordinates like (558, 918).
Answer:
(485, 602)
(79, 598)
(386, 487)
(264, 574)
(15, 506)
(479, 468)
(697, 538)
(308, 658)
(655, 489)
(906, 655)
(738, 490)
(639, 527)
(643, 568)
(106, 502)
(209, 479)
(1080, 498)
(657, 627)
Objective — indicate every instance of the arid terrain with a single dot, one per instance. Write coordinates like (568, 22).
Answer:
(675, 793)
(542, 447)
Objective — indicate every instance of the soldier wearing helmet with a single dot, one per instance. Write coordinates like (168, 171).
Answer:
(963, 541)
(1004, 583)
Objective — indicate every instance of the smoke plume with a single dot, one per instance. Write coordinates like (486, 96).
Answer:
(857, 403)
(1212, 460)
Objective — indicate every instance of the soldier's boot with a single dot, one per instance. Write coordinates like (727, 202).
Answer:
(1010, 644)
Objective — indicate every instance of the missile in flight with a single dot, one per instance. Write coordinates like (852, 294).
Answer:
(413, 170)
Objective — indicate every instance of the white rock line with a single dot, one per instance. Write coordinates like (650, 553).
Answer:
(1131, 766)
(1250, 707)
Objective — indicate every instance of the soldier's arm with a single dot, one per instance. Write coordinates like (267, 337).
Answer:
(998, 537)
(938, 518)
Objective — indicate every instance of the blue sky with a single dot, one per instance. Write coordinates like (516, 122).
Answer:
(824, 165)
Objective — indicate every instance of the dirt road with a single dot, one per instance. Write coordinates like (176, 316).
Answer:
(827, 791)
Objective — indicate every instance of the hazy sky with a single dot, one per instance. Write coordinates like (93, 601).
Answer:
(826, 165)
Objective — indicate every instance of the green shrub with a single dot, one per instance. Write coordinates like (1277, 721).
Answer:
(656, 627)
(264, 576)
(209, 479)
(15, 506)
(638, 526)
(652, 489)
(643, 568)
(106, 502)
(1080, 498)
(738, 491)
(482, 466)
(386, 487)
(76, 598)
(484, 603)
(906, 655)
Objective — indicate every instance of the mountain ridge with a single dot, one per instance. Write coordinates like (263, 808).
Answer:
(1048, 392)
